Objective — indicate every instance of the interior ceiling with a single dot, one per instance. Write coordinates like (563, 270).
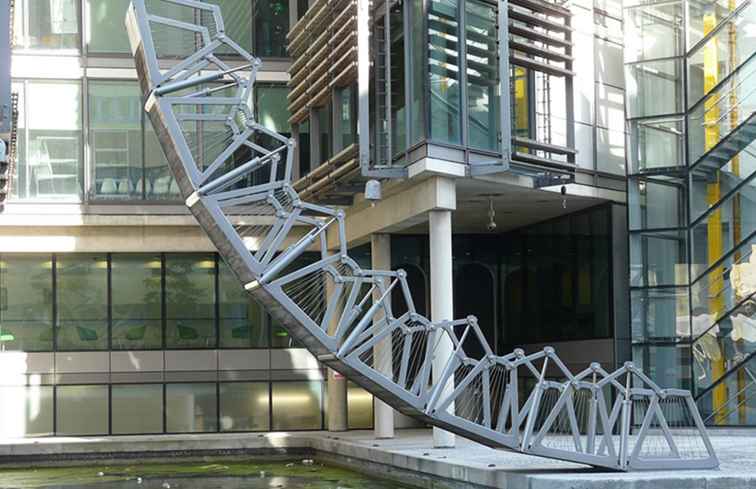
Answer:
(515, 207)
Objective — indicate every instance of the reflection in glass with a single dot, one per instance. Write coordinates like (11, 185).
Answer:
(26, 411)
(667, 365)
(482, 74)
(297, 405)
(242, 320)
(654, 88)
(136, 301)
(107, 30)
(26, 302)
(661, 313)
(237, 20)
(189, 289)
(115, 139)
(658, 258)
(443, 66)
(81, 409)
(51, 24)
(82, 304)
(359, 408)
(656, 144)
(245, 406)
(271, 24)
(158, 182)
(654, 31)
(137, 409)
(656, 203)
(50, 163)
(398, 95)
(191, 408)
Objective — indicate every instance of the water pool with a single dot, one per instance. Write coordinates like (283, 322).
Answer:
(217, 475)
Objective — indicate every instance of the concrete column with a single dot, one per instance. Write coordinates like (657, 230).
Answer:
(337, 384)
(384, 415)
(442, 300)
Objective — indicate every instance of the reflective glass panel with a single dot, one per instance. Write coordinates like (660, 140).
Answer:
(443, 66)
(658, 258)
(82, 302)
(656, 204)
(272, 107)
(136, 295)
(158, 182)
(482, 74)
(26, 302)
(654, 88)
(50, 165)
(190, 294)
(242, 320)
(237, 19)
(359, 408)
(107, 29)
(245, 406)
(81, 409)
(297, 405)
(271, 24)
(656, 144)
(137, 409)
(660, 313)
(52, 24)
(115, 139)
(191, 408)
(654, 31)
(667, 365)
(26, 411)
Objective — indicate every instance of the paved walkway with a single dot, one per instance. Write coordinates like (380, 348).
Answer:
(409, 457)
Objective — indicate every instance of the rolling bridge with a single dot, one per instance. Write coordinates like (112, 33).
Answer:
(235, 176)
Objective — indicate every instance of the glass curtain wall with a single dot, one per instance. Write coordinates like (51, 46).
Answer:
(658, 190)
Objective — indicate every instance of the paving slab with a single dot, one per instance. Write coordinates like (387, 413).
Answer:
(408, 458)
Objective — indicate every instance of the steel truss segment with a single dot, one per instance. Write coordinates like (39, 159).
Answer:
(347, 315)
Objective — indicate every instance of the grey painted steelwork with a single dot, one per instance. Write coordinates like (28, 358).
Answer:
(236, 177)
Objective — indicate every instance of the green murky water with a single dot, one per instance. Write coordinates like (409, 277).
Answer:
(231, 475)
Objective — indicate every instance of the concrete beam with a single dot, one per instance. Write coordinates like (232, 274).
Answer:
(399, 210)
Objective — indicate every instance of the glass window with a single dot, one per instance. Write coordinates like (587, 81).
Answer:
(359, 408)
(115, 139)
(107, 32)
(443, 65)
(81, 409)
(26, 302)
(297, 405)
(654, 88)
(658, 258)
(82, 304)
(610, 151)
(245, 406)
(26, 411)
(242, 320)
(482, 74)
(655, 144)
(272, 107)
(418, 74)
(47, 24)
(50, 163)
(347, 113)
(667, 365)
(656, 204)
(237, 19)
(136, 298)
(191, 408)
(189, 299)
(137, 409)
(158, 182)
(303, 147)
(654, 31)
(660, 313)
(271, 24)
(302, 6)
(398, 90)
(172, 41)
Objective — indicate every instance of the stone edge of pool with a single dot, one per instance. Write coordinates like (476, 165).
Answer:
(406, 459)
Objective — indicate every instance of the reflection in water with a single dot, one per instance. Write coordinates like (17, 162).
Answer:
(297, 474)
